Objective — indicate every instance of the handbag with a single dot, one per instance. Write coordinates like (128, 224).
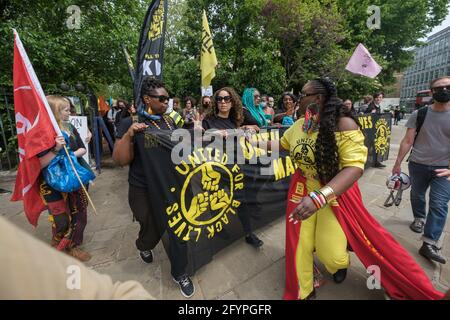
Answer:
(60, 175)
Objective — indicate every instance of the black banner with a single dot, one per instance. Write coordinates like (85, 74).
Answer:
(150, 55)
(215, 192)
(377, 129)
(210, 199)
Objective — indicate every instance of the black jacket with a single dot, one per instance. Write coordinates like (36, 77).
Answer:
(372, 106)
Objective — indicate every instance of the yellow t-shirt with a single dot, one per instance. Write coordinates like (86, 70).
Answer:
(301, 145)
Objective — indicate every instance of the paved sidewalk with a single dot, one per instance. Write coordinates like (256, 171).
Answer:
(239, 271)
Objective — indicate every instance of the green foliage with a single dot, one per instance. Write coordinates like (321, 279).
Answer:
(279, 44)
(91, 54)
(246, 56)
(270, 44)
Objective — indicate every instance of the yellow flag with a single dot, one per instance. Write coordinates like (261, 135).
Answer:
(208, 60)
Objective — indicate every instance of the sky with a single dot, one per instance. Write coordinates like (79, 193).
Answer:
(443, 25)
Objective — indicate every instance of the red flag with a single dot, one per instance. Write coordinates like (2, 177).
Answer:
(36, 131)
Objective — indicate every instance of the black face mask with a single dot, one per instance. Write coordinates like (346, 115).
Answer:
(442, 96)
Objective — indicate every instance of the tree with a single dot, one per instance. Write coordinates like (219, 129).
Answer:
(403, 24)
(246, 56)
(90, 54)
(309, 36)
(317, 38)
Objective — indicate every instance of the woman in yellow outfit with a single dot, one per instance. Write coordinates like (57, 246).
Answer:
(325, 210)
(332, 153)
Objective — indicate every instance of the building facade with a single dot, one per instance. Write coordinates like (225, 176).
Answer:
(430, 61)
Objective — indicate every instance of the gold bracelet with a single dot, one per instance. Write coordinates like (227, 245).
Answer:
(328, 193)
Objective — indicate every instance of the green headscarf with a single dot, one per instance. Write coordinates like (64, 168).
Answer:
(255, 111)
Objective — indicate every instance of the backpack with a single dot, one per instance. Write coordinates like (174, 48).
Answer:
(421, 115)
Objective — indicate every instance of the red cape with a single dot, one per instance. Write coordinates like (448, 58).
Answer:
(401, 276)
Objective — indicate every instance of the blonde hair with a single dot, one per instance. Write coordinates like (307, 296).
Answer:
(57, 104)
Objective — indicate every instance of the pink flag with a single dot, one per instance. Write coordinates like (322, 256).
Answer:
(362, 63)
(36, 131)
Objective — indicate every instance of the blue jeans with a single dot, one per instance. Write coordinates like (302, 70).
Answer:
(422, 177)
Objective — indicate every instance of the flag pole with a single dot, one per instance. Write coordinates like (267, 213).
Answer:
(79, 180)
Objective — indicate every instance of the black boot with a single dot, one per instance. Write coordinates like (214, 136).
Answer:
(253, 240)
(340, 275)
(379, 165)
(432, 252)
(417, 225)
(146, 256)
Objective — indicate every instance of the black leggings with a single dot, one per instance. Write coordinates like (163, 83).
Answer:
(152, 230)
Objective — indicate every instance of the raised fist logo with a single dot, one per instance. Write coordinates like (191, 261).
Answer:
(219, 200)
(210, 178)
(199, 205)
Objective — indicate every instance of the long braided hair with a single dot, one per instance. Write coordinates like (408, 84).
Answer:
(326, 153)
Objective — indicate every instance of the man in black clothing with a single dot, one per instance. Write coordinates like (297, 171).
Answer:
(375, 107)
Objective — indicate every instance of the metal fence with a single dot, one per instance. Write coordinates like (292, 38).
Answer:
(9, 157)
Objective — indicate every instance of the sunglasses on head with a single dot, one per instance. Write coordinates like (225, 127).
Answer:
(441, 88)
(161, 98)
(226, 99)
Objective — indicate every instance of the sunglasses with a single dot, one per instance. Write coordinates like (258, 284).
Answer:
(441, 88)
(256, 96)
(303, 95)
(161, 98)
(226, 99)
